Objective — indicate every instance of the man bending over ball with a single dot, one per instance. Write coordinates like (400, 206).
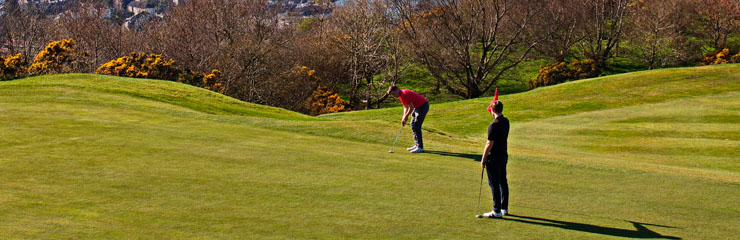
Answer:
(416, 104)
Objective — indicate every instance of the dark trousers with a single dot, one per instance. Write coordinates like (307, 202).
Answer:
(417, 118)
(496, 169)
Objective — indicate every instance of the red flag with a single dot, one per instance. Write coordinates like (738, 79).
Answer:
(495, 98)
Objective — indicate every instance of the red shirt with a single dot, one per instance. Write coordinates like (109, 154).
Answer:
(408, 96)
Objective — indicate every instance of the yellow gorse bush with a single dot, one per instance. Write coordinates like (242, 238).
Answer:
(325, 101)
(584, 69)
(141, 65)
(156, 66)
(560, 72)
(211, 81)
(720, 57)
(551, 74)
(12, 67)
(57, 57)
(321, 100)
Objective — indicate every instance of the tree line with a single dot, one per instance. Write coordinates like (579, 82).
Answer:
(355, 51)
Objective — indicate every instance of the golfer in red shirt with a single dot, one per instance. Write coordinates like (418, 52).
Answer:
(416, 104)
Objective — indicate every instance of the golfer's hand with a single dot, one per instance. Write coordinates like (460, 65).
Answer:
(483, 163)
(403, 122)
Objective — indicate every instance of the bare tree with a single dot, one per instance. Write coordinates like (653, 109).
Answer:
(23, 28)
(240, 38)
(311, 47)
(719, 19)
(468, 45)
(655, 31)
(559, 22)
(99, 39)
(604, 26)
(363, 34)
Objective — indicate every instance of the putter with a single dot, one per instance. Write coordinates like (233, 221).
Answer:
(394, 141)
(480, 190)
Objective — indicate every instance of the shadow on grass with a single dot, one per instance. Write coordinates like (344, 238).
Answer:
(475, 157)
(640, 232)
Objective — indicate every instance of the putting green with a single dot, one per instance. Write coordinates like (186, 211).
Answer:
(645, 155)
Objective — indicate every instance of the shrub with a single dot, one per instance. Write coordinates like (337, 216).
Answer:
(292, 89)
(141, 65)
(155, 66)
(735, 58)
(555, 73)
(720, 57)
(57, 57)
(211, 81)
(12, 67)
(584, 69)
(324, 101)
(551, 74)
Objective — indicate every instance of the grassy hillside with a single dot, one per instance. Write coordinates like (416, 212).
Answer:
(101, 90)
(87, 156)
(678, 121)
(615, 91)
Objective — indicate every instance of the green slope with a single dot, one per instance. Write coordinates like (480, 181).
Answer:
(615, 91)
(99, 89)
(90, 157)
(661, 120)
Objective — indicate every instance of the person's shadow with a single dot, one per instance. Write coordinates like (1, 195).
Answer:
(475, 157)
(640, 230)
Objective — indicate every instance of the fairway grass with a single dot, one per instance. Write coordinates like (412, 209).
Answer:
(642, 155)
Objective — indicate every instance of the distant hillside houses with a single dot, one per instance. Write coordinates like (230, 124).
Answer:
(292, 11)
(144, 11)
(41, 1)
(134, 14)
(51, 7)
(137, 7)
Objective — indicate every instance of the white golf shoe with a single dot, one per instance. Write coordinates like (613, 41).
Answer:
(492, 214)
(412, 148)
(504, 212)
(418, 150)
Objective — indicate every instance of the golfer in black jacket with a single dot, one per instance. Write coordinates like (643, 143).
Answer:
(494, 160)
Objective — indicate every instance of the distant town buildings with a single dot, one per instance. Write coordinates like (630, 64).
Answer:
(143, 12)
(138, 7)
(41, 1)
(133, 14)
(293, 11)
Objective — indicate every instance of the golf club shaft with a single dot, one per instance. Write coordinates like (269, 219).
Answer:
(394, 141)
(480, 190)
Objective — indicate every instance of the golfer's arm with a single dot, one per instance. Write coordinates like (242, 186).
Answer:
(407, 110)
(489, 144)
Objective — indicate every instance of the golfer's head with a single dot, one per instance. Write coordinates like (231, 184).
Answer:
(395, 91)
(496, 107)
